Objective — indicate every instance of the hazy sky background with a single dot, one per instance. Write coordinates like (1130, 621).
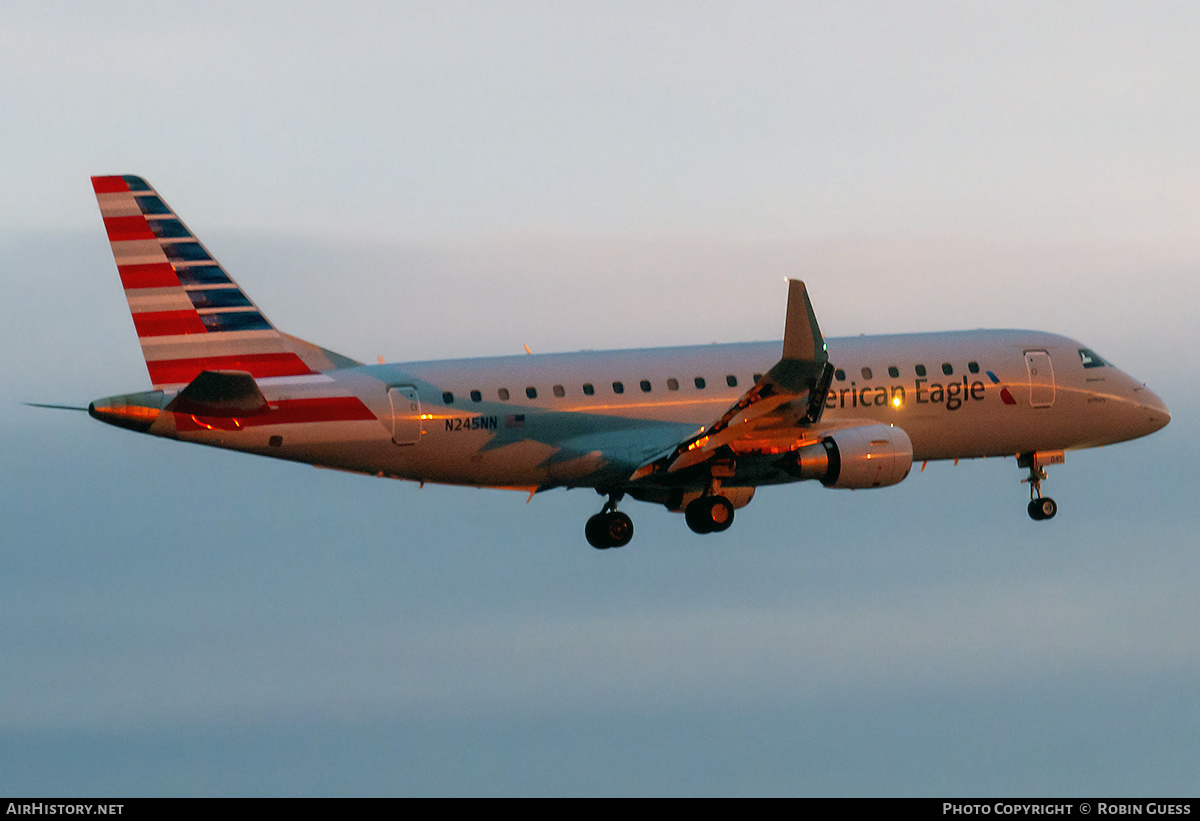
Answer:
(425, 180)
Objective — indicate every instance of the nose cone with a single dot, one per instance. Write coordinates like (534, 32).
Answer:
(1152, 410)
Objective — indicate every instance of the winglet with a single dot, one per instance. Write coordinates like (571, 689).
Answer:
(803, 370)
(802, 338)
(804, 351)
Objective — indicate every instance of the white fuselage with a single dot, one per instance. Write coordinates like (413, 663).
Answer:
(591, 418)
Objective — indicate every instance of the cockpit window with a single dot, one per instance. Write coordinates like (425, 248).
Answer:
(1090, 360)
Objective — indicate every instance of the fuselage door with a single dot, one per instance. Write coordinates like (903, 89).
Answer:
(1041, 379)
(406, 415)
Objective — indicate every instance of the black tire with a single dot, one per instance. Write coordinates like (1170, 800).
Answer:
(1042, 509)
(709, 514)
(596, 533)
(696, 515)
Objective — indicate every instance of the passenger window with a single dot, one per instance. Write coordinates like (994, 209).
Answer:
(672, 384)
(947, 369)
(839, 375)
(476, 396)
(618, 387)
(645, 386)
(920, 369)
(973, 367)
(700, 383)
(531, 393)
(559, 391)
(447, 398)
(757, 378)
(893, 371)
(588, 389)
(503, 394)
(731, 381)
(866, 372)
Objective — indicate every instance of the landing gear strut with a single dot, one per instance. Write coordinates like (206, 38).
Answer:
(1040, 507)
(709, 514)
(609, 527)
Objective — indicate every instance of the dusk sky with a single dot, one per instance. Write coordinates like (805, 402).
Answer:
(438, 180)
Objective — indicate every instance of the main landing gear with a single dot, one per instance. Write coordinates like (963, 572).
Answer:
(610, 527)
(1040, 507)
(709, 514)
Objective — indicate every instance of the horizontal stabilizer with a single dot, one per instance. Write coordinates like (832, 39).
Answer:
(220, 393)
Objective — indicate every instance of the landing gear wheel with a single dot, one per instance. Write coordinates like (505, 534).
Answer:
(605, 530)
(709, 514)
(696, 516)
(1042, 509)
(593, 531)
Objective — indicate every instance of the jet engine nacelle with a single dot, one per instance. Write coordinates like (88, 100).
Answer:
(862, 457)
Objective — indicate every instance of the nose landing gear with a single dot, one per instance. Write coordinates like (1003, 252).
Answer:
(1040, 507)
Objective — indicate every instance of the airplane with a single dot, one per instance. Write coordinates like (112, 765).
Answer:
(696, 429)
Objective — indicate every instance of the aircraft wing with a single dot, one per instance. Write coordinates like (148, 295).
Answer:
(765, 419)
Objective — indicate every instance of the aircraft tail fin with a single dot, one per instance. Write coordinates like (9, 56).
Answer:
(189, 314)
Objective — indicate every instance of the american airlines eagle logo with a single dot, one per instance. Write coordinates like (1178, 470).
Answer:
(1005, 396)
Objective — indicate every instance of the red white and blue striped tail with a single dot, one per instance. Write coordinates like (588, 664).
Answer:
(189, 314)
